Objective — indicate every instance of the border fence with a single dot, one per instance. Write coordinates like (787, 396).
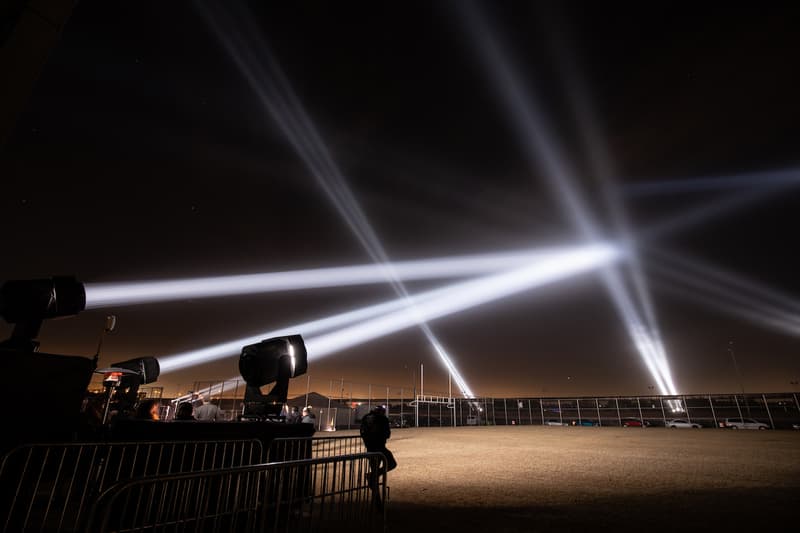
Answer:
(323, 494)
(340, 404)
(298, 484)
(778, 410)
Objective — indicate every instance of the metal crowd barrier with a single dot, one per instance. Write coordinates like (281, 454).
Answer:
(50, 487)
(294, 449)
(314, 495)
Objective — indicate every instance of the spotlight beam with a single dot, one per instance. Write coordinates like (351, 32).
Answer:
(729, 293)
(605, 172)
(529, 120)
(723, 302)
(382, 319)
(466, 295)
(279, 99)
(726, 280)
(751, 180)
(101, 295)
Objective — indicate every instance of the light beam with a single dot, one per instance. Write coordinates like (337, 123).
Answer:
(533, 132)
(392, 316)
(101, 295)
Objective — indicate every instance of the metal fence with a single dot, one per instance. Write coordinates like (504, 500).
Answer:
(293, 449)
(778, 410)
(325, 494)
(49, 487)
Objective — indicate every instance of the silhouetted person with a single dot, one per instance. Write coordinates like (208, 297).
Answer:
(308, 416)
(375, 432)
(185, 411)
(208, 411)
(294, 416)
(147, 410)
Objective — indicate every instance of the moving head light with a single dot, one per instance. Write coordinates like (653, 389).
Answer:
(124, 387)
(47, 385)
(278, 359)
(27, 303)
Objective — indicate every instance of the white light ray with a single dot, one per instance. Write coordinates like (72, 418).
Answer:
(698, 286)
(549, 268)
(529, 120)
(650, 339)
(100, 295)
(278, 98)
(721, 280)
(466, 295)
(752, 180)
(752, 314)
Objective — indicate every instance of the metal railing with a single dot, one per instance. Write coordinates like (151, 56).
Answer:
(312, 495)
(50, 487)
(293, 449)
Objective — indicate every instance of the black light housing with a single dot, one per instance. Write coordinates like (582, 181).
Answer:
(273, 360)
(146, 368)
(135, 372)
(25, 373)
(27, 303)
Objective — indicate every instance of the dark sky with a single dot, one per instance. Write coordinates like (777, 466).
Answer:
(145, 154)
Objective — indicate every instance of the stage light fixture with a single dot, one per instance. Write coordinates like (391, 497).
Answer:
(27, 303)
(273, 360)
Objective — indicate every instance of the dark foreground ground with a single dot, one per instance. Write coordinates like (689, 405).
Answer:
(575, 479)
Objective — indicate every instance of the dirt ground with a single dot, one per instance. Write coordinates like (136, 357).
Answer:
(574, 479)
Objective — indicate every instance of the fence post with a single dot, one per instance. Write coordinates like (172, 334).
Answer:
(736, 399)
(619, 416)
(663, 414)
(599, 420)
(401, 406)
(639, 404)
(686, 405)
(769, 414)
(505, 410)
(541, 409)
(713, 413)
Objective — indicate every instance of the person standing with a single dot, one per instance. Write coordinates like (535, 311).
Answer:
(375, 431)
(294, 415)
(308, 416)
(208, 411)
(185, 412)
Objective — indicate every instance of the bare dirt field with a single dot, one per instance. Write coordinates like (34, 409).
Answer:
(574, 479)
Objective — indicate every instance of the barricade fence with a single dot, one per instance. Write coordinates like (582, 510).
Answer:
(49, 487)
(325, 494)
(292, 449)
(52, 487)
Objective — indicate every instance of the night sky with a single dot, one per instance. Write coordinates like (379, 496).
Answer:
(144, 153)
